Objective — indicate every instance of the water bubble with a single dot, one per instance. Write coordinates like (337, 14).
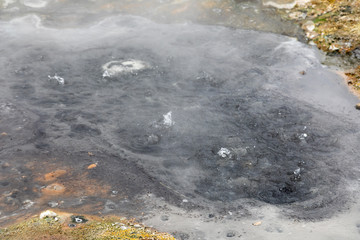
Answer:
(297, 171)
(78, 219)
(303, 136)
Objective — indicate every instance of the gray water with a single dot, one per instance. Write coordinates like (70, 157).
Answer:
(202, 118)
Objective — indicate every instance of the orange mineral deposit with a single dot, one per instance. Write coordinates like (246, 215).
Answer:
(91, 166)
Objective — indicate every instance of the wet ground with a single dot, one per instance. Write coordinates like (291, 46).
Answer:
(187, 127)
(244, 14)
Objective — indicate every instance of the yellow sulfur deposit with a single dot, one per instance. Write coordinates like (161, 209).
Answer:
(63, 227)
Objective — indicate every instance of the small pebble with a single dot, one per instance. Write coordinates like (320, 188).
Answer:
(53, 204)
(230, 234)
(123, 227)
(114, 193)
(5, 165)
(309, 25)
(257, 223)
(164, 218)
(357, 106)
(72, 225)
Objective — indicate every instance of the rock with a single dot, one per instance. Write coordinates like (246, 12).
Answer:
(356, 53)
(311, 35)
(297, 15)
(257, 223)
(5, 165)
(48, 214)
(53, 189)
(53, 204)
(4, 134)
(333, 47)
(309, 26)
(357, 106)
(27, 204)
(230, 234)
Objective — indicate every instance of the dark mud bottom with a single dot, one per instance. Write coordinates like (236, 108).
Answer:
(214, 119)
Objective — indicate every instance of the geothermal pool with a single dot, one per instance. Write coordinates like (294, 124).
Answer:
(198, 130)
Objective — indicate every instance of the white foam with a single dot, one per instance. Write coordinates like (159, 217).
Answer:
(284, 4)
(168, 120)
(115, 68)
(224, 152)
(59, 79)
(47, 214)
(35, 3)
(303, 136)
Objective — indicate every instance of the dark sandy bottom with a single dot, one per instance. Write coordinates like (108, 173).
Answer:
(196, 130)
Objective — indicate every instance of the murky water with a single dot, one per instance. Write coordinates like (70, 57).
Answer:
(126, 115)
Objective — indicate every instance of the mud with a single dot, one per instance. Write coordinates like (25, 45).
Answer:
(157, 136)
